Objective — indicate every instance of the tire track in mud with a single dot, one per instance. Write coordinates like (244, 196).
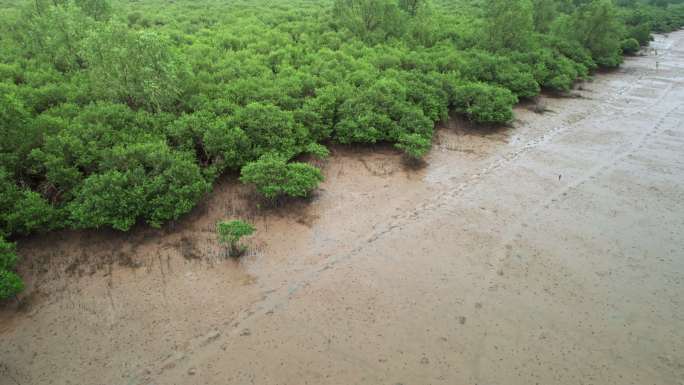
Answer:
(277, 299)
(493, 276)
(506, 159)
(614, 158)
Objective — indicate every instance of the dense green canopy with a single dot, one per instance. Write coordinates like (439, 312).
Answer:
(114, 113)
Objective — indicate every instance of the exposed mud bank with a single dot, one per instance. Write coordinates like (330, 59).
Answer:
(551, 252)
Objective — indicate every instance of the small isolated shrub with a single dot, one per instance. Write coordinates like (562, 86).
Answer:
(230, 233)
(273, 177)
(415, 146)
(483, 103)
(630, 46)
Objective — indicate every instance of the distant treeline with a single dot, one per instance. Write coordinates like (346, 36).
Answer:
(119, 112)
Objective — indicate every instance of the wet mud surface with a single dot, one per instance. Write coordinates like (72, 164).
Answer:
(549, 252)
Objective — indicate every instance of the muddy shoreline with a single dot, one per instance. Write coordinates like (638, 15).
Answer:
(549, 252)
